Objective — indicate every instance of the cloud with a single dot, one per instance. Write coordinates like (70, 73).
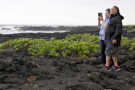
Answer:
(61, 12)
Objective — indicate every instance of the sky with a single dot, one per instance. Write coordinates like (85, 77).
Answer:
(61, 12)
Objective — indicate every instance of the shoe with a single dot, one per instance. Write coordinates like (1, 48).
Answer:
(116, 68)
(105, 68)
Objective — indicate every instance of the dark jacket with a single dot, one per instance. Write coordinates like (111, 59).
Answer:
(114, 29)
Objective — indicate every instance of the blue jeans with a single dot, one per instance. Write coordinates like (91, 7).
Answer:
(102, 51)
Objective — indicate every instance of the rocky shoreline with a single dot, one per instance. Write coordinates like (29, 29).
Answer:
(23, 72)
(20, 71)
(70, 30)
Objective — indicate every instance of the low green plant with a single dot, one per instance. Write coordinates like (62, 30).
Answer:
(132, 47)
(37, 47)
(132, 30)
(6, 44)
(21, 43)
(77, 45)
(125, 41)
(83, 37)
(17, 44)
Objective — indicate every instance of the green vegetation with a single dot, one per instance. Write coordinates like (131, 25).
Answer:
(125, 41)
(132, 30)
(129, 26)
(76, 45)
(132, 47)
(130, 44)
(92, 38)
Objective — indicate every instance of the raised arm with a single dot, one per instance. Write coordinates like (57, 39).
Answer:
(104, 23)
(99, 24)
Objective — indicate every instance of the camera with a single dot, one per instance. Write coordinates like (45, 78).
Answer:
(100, 14)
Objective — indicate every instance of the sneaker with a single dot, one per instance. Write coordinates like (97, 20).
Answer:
(116, 68)
(106, 69)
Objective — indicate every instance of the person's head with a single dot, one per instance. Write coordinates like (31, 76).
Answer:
(107, 13)
(115, 10)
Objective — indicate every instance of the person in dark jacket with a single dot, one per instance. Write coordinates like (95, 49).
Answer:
(113, 38)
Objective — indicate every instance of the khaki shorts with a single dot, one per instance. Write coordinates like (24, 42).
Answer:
(111, 50)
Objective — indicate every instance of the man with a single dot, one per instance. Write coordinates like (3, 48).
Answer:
(102, 28)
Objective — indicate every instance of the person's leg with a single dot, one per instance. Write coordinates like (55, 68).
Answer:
(108, 57)
(115, 61)
(115, 53)
(108, 53)
(103, 56)
(115, 67)
(107, 65)
(108, 61)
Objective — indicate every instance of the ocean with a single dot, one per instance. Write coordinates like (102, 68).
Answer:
(16, 29)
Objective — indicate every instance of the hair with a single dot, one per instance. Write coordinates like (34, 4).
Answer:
(118, 11)
(108, 10)
(117, 8)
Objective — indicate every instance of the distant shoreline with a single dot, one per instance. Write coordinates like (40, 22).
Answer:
(57, 35)
(45, 29)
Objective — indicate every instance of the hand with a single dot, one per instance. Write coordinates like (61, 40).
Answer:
(114, 41)
(101, 18)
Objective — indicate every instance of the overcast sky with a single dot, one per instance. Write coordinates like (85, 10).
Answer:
(61, 12)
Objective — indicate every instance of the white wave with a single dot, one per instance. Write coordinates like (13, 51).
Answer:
(13, 30)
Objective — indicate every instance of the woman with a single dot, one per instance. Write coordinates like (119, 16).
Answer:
(113, 38)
